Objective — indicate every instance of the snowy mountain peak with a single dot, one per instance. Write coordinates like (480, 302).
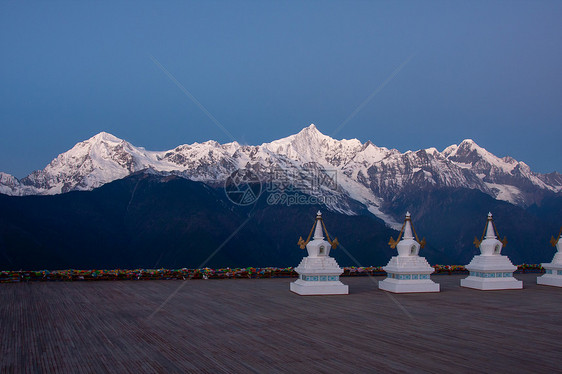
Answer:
(432, 150)
(309, 134)
(469, 143)
(470, 153)
(506, 178)
(310, 145)
(311, 127)
(89, 164)
(310, 131)
(105, 136)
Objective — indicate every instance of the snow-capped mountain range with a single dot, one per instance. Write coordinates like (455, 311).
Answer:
(367, 175)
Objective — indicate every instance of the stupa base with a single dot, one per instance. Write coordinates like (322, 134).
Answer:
(302, 287)
(491, 273)
(408, 286)
(488, 284)
(553, 274)
(550, 281)
(406, 274)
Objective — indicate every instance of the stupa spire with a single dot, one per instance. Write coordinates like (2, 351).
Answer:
(490, 232)
(317, 228)
(318, 234)
(408, 234)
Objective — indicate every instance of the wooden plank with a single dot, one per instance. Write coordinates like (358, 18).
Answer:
(225, 326)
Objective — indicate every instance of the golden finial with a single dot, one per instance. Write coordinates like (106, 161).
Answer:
(553, 240)
(504, 241)
(477, 242)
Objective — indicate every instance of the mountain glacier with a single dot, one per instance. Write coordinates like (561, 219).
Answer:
(367, 175)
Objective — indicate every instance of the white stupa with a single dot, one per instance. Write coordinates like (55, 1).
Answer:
(408, 272)
(490, 270)
(319, 274)
(553, 270)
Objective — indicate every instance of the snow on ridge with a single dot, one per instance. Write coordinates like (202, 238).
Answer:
(488, 166)
(469, 146)
(8, 184)
(366, 173)
(7, 178)
(508, 193)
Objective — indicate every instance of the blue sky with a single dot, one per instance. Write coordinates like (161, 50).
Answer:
(486, 70)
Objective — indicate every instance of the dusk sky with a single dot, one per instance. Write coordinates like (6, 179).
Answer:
(421, 73)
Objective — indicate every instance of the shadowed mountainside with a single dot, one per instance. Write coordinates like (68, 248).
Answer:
(152, 221)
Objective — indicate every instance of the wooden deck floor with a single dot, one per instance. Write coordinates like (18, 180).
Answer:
(240, 326)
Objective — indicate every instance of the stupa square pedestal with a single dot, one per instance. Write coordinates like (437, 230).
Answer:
(408, 274)
(325, 288)
(319, 276)
(552, 276)
(491, 273)
(553, 270)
